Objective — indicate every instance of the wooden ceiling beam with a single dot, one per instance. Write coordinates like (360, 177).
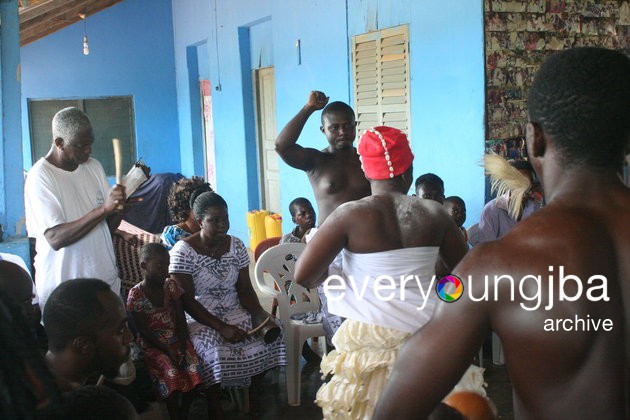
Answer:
(52, 19)
(53, 14)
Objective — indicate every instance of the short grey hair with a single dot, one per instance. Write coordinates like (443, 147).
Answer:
(68, 122)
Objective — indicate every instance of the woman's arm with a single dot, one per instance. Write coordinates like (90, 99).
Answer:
(247, 296)
(200, 313)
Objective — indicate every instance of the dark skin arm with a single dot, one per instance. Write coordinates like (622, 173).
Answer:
(321, 251)
(291, 152)
(248, 298)
(452, 249)
(66, 234)
(181, 328)
(143, 328)
(231, 332)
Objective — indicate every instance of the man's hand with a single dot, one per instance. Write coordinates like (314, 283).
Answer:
(317, 100)
(115, 200)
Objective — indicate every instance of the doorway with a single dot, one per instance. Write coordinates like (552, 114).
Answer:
(269, 169)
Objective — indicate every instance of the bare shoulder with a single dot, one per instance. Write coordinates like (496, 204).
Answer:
(579, 237)
(361, 211)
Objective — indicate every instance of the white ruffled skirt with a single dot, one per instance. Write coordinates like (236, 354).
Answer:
(361, 364)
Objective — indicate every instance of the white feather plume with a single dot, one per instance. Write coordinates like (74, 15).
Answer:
(504, 178)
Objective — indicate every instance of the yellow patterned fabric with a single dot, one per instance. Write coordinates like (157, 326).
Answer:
(361, 364)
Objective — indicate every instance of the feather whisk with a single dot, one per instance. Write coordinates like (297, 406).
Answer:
(504, 178)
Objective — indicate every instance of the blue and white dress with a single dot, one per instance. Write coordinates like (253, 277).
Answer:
(231, 364)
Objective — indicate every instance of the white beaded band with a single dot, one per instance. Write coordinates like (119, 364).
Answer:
(384, 144)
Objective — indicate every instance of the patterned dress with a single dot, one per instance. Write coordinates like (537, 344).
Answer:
(167, 377)
(231, 364)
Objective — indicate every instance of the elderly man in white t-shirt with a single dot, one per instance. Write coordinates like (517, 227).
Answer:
(70, 209)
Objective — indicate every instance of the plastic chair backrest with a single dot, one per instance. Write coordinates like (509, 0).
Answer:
(265, 245)
(278, 264)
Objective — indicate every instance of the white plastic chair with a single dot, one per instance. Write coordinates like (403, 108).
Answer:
(277, 264)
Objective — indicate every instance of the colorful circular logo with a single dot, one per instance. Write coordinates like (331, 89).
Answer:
(449, 288)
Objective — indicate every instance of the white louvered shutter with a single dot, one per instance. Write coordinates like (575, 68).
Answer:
(380, 62)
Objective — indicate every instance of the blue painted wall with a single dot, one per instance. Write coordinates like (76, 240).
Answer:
(11, 177)
(131, 53)
(156, 50)
(242, 30)
(320, 63)
(446, 43)
(447, 87)
(251, 35)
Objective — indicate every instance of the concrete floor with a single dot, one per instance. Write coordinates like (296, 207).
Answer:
(274, 399)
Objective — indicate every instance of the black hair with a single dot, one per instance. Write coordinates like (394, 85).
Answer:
(27, 388)
(581, 98)
(90, 401)
(10, 273)
(205, 201)
(431, 179)
(181, 194)
(151, 249)
(455, 199)
(337, 107)
(72, 310)
(522, 165)
(300, 201)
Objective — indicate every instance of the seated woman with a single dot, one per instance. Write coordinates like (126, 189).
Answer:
(213, 269)
(180, 199)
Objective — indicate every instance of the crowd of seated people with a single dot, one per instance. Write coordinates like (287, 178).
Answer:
(194, 308)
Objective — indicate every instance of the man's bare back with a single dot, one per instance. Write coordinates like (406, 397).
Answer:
(334, 172)
(556, 288)
(585, 238)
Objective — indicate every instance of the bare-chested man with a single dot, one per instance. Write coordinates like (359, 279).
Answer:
(334, 172)
(567, 354)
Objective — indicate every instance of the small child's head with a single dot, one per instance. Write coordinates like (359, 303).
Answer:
(430, 187)
(154, 260)
(302, 213)
(456, 207)
(17, 283)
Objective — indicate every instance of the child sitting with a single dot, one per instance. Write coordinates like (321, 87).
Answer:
(157, 311)
(430, 187)
(303, 215)
(456, 207)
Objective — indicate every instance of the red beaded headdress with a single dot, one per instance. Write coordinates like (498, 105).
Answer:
(384, 152)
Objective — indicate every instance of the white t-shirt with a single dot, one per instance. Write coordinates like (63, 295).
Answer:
(54, 196)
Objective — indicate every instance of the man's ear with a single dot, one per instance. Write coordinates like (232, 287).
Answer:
(143, 265)
(321, 128)
(535, 140)
(59, 142)
(83, 345)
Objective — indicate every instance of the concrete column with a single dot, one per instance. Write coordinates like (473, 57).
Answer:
(11, 175)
